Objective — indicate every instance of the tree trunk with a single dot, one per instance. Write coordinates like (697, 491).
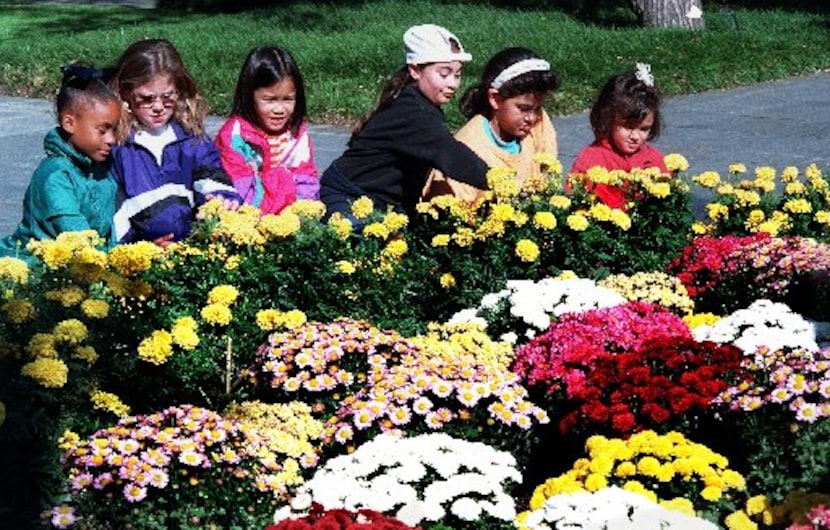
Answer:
(685, 14)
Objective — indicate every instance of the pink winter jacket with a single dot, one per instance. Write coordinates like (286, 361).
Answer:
(270, 188)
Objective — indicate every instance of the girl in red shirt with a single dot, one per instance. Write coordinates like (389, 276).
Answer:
(624, 118)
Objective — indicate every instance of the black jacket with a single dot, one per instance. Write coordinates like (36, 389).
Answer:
(393, 154)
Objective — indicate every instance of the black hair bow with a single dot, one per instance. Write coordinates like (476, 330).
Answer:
(79, 75)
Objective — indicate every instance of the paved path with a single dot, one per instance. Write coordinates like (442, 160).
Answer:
(781, 123)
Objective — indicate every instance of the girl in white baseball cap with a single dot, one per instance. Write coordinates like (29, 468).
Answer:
(392, 150)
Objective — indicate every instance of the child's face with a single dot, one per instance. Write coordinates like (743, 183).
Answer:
(275, 105)
(514, 117)
(154, 103)
(437, 81)
(92, 127)
(628, 139)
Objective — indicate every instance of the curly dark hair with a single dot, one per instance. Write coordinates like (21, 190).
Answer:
(625, 100)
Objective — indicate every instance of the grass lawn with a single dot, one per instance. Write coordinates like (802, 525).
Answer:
(346, 50)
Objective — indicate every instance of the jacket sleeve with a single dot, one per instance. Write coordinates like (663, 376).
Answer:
(59, 204)
(240, 162)
(305, 171)
(209, 178)
(423, 135)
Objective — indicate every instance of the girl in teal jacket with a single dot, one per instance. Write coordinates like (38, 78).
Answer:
(72, 190)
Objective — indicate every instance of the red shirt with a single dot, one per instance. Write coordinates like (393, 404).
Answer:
(603, 154)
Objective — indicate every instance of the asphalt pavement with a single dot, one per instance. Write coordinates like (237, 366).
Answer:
(780, 123)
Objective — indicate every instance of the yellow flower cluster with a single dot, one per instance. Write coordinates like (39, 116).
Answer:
(109, 402)
(341, 226)
(548, 163)
(85, 353)
(649, 464)
(71, 331)
(577, 222)
(285, 224)
(346, 267)
(47, 372)
(306, 208)
(363, 207)
(287, 428)
(19, 311)
(68, 296)
(68, 248)
(271, 319)
(223, 294)
(451, 341)
(133, 259)
(676, 162)
(95, 308)
(708, 179)
(502, 182)
(447, 280)
(184, 333)
(157, 348)
(217, 314)
(544, 220)
(42, 345)
(527, 250)
(656, 287)
(14, 270)
(694, 320)
(241, 227)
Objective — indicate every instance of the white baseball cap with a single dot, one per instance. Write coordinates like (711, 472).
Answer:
(428, 43)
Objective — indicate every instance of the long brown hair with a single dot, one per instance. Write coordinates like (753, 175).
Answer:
(390, 92)
(147, 59)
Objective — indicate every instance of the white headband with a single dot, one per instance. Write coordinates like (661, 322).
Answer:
(516, 69)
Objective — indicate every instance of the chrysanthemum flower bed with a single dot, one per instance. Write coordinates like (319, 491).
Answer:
(267, 360)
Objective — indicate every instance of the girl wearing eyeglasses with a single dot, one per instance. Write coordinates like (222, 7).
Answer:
(166, 166)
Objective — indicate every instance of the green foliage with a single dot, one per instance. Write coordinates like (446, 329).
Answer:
(347, 49)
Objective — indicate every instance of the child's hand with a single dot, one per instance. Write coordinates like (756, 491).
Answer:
(164, 241)
(227, 204)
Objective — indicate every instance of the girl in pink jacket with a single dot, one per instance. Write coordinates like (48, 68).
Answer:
(264, 145)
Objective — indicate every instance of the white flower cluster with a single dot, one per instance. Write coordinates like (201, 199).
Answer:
(764, 323)
(609, 509)
(418, 479)
(534, 304)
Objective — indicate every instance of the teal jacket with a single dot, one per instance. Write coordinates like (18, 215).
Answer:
(68, 192)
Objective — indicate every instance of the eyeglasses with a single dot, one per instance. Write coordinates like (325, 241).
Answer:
(146, 101)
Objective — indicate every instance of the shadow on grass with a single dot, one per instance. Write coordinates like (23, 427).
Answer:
(80, 21)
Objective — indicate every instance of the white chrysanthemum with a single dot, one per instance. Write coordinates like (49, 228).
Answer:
(388, 473)
(763, 323)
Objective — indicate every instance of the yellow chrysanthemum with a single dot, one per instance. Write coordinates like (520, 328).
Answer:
(447, 280)
(42, 345)
(341, 225)
(14, 269)
(345, 266)
(217, 314)
(548, 163)
(440, 240)
(560, 202)
(307, 208)
(620, 219)
(294, 318)
(395, 249)
(363, 207)
(544, 220)
(527, 250)
(676, 162)
(737, 168)
(798, 206)
(269, 319)
(286, 224)
(85, 353)
(158, 347)
(223, 294)
(184, 333)
(71, 331)
(95, 308)
(109, 402)
(378, 230)
(19, 311)
(134, 258)
(395, 221)
(50, 373)
(577, 222)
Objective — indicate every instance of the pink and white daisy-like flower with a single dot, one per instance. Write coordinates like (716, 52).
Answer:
(309, 460)
(797, 384)
(230, 456)
(343, 434)
(433, 420)
(363, 419)
(63, 516)
(824, 388)
(103, 480)
(523, 422)
(134, 493)
(158, 478)
(399, 415)
(468, 397)
(292, 384)
(128, 446)
(780, 395)
(191, 458)
(807, 412)
(442, 388)
(155, 457)
(81, 481)
(422, 405)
